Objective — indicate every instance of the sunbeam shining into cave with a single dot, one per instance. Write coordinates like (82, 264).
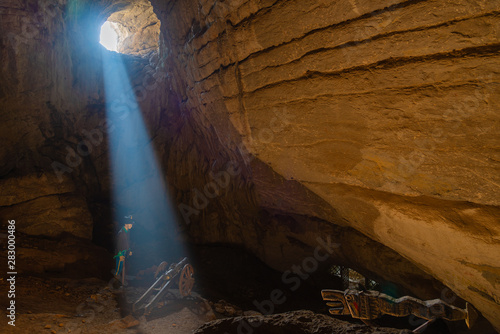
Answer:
(137, 182)
(109, 36)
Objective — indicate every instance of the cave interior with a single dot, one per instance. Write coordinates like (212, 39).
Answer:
(283, 147)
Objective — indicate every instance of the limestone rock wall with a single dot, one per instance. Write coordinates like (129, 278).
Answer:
(386, 112)
(52, 179)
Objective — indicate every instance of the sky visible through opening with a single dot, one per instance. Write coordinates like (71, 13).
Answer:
(109, 37)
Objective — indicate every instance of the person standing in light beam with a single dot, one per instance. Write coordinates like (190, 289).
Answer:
(123, 248)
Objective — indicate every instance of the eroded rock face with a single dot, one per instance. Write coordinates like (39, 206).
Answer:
(41, 205)
(374, 125)
(138, 28)
(387, 114)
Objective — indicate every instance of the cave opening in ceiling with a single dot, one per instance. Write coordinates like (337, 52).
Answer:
(134, 29)
(109, 36)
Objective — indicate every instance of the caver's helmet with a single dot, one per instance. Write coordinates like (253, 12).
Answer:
(128, 220)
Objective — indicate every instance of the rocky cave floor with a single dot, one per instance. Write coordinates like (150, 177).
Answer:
(229, 283)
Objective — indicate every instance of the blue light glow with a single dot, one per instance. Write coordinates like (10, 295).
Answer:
(137, 182)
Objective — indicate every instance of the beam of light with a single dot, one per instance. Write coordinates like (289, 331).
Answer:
(109, 36)
(137, 183)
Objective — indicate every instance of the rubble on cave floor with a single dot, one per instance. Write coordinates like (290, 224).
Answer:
(60, 305)
(95, 306)
(221, 301)
(294, 322)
